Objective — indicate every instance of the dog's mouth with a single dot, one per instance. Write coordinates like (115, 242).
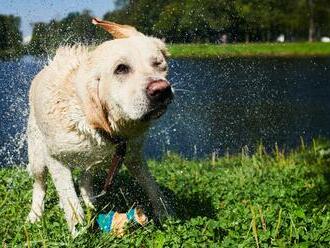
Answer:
(157, 109)
(155, 113)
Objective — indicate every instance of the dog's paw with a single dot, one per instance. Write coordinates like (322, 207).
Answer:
(78, 229)
(89, 204)
(33, 217)
(76, 218)
(74, 232)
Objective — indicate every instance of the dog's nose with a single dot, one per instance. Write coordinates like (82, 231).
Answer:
(159, 90)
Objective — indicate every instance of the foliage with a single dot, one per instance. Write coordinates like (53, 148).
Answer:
(199, 21)
(277, 200)
(193, 21)
(74, 28)
(10, 36)
(241, 20)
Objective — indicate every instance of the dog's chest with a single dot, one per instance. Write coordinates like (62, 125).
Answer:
(85, 151)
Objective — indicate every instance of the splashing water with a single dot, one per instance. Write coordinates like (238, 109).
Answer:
(15, 77)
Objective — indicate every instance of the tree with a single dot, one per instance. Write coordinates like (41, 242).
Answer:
(10, 35)
(311, 12)
(188, 20)
(195, 21)
(320, 19)
(74, 28)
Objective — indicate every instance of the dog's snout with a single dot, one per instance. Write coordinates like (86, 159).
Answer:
(159, 90)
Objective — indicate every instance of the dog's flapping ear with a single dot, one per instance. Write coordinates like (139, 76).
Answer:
(117, 31)
(96, 112)
(95, 109)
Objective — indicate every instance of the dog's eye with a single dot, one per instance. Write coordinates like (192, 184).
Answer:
(157, 63)
(160, 65)
(122, 69)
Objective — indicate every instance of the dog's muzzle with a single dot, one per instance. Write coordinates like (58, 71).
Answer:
(159, 91)
(160, 94)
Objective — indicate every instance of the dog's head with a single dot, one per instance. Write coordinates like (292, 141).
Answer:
(130, 72)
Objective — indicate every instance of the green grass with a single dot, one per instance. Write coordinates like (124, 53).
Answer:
(192, 50)
(249, 50)
(276, 200)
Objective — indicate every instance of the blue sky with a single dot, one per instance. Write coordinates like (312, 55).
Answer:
(44, 10)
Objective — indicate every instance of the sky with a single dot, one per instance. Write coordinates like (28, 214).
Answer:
(32, 11)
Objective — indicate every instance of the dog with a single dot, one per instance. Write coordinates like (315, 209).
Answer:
(81, 102)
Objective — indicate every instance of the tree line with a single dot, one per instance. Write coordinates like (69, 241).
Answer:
(181, 22)
(240, 20)
(10, 36)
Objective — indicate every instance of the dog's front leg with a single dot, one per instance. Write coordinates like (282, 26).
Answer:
(63, 182)
(86, 189)
(140, 170)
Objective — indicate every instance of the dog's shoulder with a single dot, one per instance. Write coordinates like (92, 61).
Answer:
(53, 96)
(69, 58)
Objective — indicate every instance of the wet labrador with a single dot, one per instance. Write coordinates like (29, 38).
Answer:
(82, 102)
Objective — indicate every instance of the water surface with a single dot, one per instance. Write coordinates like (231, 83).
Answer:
(221, 105)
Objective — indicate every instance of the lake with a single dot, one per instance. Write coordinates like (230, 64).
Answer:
(221, 105)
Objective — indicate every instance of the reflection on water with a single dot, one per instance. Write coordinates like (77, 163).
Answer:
(220, 105)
